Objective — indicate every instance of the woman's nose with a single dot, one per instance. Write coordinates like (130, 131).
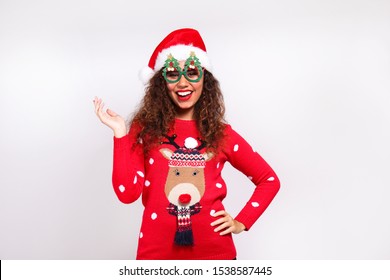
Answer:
(183, 82)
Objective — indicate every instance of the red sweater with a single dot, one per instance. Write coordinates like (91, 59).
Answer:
(181, 187)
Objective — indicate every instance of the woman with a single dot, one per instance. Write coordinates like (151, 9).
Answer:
(174, 152)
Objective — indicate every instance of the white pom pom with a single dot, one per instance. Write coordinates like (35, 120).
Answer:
(145, 74)
(190, 143)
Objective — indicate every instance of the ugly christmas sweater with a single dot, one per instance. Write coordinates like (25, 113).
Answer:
(182, 187)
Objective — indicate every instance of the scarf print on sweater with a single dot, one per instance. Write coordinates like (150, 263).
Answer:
(183, 235)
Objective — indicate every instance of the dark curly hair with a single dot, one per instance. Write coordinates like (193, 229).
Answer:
(156, 113)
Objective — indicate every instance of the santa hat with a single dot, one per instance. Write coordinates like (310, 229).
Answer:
(179, 43)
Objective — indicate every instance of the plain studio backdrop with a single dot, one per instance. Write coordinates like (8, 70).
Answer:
(307, 83)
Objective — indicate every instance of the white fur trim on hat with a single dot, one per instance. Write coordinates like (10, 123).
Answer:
(145, 74)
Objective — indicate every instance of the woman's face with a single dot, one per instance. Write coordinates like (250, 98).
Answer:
(184, 95)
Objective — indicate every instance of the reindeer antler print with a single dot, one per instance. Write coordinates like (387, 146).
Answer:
(171, 140)
(202, 145)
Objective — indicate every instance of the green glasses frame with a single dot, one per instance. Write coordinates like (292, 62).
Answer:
(172, 65)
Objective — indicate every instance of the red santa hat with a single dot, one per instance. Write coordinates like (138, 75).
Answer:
(179, 43)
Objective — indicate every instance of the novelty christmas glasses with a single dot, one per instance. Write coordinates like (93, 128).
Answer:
(192, 71)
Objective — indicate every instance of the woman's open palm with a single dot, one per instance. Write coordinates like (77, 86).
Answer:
(110, 118)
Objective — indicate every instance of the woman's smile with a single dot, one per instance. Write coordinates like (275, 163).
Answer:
(184, 95)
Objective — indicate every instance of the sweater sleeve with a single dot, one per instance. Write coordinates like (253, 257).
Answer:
(242, 157)
(128, 167)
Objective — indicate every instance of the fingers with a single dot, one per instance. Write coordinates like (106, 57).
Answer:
(226, 219)
(95, 103)
(227, 227)
(110, 118)
(225, 223)
(111, 113)
(220, 213)
(98, 105)
(99, 109)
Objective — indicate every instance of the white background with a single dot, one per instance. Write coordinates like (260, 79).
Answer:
(307, 83)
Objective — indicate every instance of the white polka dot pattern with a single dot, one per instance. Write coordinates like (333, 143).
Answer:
(122, 188)
(235, 148)
(147, 183)
(255, 204)
(212, 212)
(154, 216)
(271, 179)
(218, 185)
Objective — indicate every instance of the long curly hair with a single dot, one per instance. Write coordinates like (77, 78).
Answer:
(156, 113)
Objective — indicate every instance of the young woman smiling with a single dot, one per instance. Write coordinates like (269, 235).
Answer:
(173, 154)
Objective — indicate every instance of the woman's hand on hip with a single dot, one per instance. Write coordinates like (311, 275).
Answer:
(226, 224)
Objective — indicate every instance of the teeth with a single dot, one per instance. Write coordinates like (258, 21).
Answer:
(184, 93)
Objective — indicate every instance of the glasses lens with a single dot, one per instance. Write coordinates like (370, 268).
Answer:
(172, 76)
(193, 75)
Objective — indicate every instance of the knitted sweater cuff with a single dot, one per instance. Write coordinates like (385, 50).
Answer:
(245, 220)
(122, 143)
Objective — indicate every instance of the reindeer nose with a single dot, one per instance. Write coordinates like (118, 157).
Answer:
(184, 198)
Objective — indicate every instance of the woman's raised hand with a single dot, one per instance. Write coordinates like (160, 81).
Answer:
(110, 118)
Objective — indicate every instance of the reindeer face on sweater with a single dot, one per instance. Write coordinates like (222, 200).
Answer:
(185, 183)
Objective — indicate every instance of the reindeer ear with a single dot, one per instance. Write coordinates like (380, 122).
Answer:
(208, 156)
(167, 153)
